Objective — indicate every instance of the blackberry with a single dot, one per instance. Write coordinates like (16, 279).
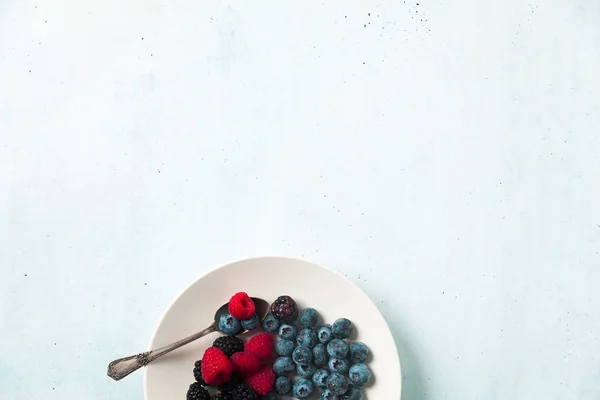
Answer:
(198, 373)
(229, 344)
(228, 386)
(243, 392)
(285, 309)
(197, 392)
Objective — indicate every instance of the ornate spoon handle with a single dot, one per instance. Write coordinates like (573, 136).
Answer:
(122, 367)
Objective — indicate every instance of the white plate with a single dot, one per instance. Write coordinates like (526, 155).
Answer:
(310, 285)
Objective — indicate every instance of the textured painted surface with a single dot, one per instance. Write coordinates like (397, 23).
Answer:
(445, 156)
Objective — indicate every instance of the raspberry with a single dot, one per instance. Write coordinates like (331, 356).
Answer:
(241, 306)
(260, 345)
(284, 308)
(216, 367)
(197, 392)
(262, 381)
(245, 363)
(229, 344)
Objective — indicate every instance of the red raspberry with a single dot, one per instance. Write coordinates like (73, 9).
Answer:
(260, 345)
(262, 381)
(216, 367)
(245, 363)
(241, 306)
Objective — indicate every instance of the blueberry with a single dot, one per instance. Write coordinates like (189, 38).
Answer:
(337, 348)
(288, 332)
(353, 393)
(249, 324)
(342, 328)
(270, 323)
(320, 354)
(303, 388)
(337, 383)
(283, 385)
(229, 325)
(302, 355)
(341, 366)
(324, 333)
(358, 352)
(283, 365)
(320, 378)
(308, 317)
(285, 347)
(360, 374)
(306, 370)
(307, 337)
(328, 395)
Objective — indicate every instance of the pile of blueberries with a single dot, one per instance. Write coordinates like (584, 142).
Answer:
(319, 355)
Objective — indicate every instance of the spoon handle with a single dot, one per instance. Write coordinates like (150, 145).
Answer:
(122, 367)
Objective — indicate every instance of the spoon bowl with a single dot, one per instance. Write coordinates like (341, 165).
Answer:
(261, 306)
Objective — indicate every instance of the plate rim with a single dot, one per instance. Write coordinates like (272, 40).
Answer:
(388, 331)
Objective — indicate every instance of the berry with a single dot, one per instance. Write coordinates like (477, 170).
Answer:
(283, 385)
(308, 317)
(216, 367)
(341, 366)
(283, 365)
(197, 392)
(271, 396)
(337, 348)
(307, 337)
(303, 388)
(353, 393)
(198, 373)
(358, 352)
(241, 306)
(320, 378)
(249, 324)
(360, 374)
(320, 354)
(229, 344)
(229, 325)
(243, 391)
(270, 323)
(288, 332)
(284, 308)
(302, 355)
(342, 328)
(306, 370)
(260, 345)
(337, 383)
(328, 395)
(262, 381)
(284, 347)
(324, 333)
(245, 363)
(226, 388)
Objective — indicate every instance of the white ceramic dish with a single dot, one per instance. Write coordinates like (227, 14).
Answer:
(310, 285)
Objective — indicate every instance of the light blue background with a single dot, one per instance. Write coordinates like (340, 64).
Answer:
(446, 160)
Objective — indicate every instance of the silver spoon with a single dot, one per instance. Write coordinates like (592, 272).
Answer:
(122, 367)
